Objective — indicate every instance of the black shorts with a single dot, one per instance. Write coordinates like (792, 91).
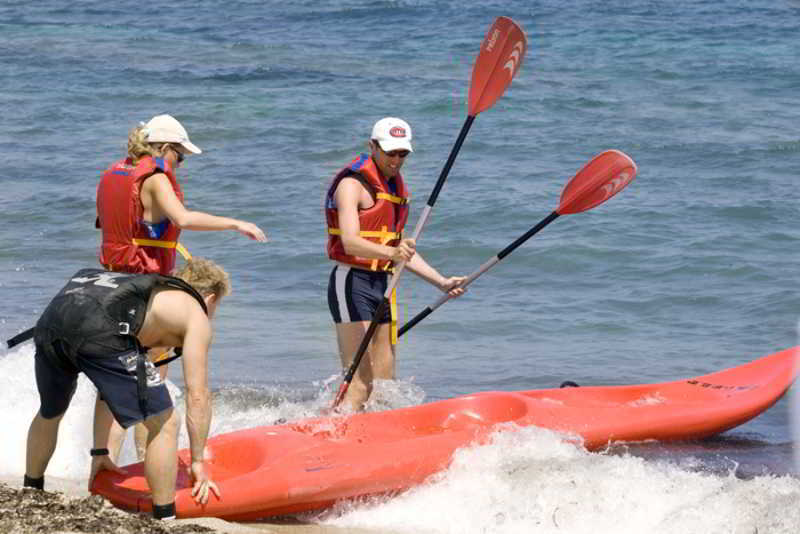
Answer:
(114, 376)
(355, 294)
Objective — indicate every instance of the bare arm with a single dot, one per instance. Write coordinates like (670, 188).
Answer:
(163, 201)
(421, 268)
(107, 435)
(195, 372)
(198, 399)
(348, 195)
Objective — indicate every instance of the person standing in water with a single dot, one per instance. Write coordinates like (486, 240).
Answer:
(141, 214)
(366, 208)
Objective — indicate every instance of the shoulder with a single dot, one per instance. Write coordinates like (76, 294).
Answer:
(156, 181)
(352, 184)
(177, 295)
(357, 177)
(175, 305)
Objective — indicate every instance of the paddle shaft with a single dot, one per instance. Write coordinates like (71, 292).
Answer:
(482, 269)
(373, 325)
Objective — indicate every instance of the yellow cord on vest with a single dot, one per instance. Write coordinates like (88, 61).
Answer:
(183, 252)
(164, 244)
(393, 315)
(163, 355)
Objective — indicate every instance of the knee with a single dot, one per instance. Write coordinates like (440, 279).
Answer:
(55, 407)
(165, 423)
(49, 418)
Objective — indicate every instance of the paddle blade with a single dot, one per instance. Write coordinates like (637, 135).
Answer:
(603, 177)
(499, 60)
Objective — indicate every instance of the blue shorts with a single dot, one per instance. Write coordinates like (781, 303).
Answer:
(114, 375)
(355, 294)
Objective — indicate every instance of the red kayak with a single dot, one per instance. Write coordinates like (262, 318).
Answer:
(310, 464)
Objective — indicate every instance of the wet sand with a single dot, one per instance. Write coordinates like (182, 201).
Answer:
(66, 508)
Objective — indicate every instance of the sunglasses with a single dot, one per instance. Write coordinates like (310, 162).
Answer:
(396, 153)
(179, 153)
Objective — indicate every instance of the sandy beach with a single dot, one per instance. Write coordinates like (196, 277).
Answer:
(68, 508)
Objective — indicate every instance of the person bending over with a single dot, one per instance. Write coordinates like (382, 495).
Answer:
(100, 324)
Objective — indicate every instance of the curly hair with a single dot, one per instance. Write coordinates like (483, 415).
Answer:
(139, 146)
(205, 276)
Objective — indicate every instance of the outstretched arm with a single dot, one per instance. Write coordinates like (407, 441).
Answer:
(167, 202)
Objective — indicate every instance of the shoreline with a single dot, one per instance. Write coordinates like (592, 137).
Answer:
(66, 507)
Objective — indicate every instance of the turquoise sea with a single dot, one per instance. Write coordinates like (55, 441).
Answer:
(691, 269)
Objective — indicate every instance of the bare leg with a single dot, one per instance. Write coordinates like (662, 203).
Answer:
(140, 430)
(378, 361)
(42, 438)
(382, 354)
(161, 457)
(105, 423)
(140, 440)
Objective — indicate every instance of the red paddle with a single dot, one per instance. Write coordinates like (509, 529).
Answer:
(498, 61)
(600, 179)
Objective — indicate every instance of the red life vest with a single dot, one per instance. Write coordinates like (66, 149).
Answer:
(382, 223)
(127, 245)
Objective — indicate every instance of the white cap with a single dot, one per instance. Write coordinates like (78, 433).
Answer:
(166, 129)
(392, 134)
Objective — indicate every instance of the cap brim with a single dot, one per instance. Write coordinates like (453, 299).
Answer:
(191, 147)
(396, 144)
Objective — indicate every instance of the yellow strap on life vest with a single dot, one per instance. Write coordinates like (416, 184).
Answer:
(164, 244)
(183, 252)
(394, 199)
(383, 234)
(393, 315)
(163, 355)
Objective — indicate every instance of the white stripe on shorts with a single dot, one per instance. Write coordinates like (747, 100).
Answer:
(341, 294)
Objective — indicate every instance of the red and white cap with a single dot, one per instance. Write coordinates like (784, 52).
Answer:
(392, 134)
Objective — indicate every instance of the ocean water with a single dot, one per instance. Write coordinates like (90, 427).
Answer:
(691, 269)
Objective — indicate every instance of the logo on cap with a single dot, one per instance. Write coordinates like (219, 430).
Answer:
(397, 131)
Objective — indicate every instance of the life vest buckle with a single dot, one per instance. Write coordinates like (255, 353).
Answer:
(124, 329)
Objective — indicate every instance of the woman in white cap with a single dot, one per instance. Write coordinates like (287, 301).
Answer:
(140, 202)
(366, 209)
(141, 213)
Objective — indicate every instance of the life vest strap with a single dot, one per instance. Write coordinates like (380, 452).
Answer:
(164, 358)
(385, 236)
(394, 199)
(164, 244)
(21, 337)
(393, 315)
(382, 234)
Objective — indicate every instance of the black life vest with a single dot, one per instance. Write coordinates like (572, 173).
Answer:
(101, 312)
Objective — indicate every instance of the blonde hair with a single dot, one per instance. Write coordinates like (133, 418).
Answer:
(205, 276)
(139, 146)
